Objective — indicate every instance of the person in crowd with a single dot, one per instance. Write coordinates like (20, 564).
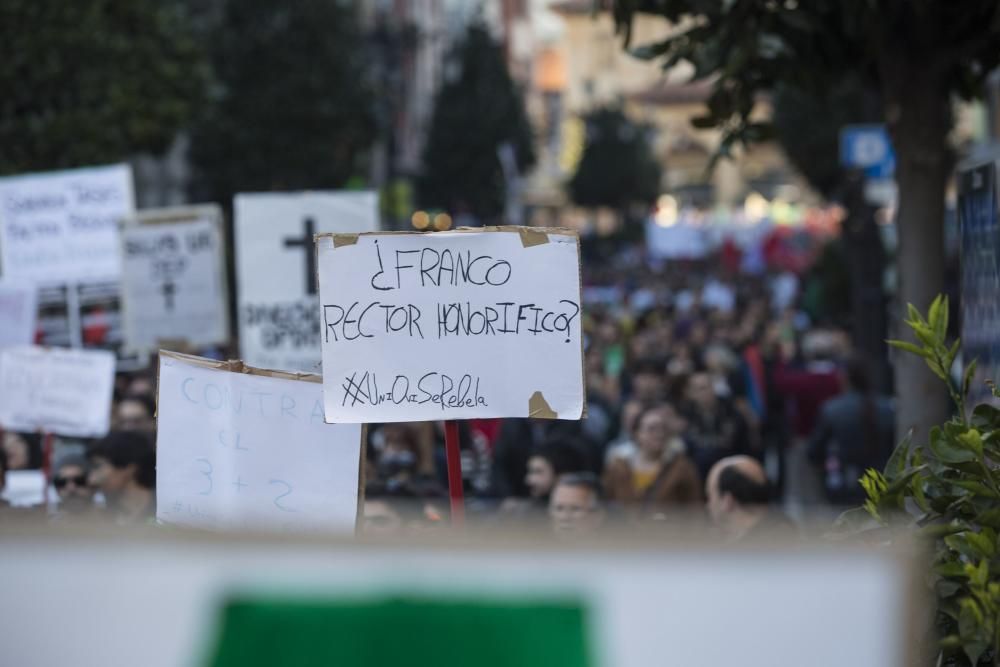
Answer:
(715, 429)
(135, 412)
(625, 445)
(554, 458)
(854, 432)
(23, 450)
(70, 479)
(575, 505)
(739, 500)
(399, 462)
(4, 505)
(519, 439)
(123, 468)
(648, 384)
(657, 475)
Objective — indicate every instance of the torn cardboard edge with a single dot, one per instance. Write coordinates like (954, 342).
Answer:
(237, 366)
(208, 212)
(539, 408)
(530, 236)
(341, 240)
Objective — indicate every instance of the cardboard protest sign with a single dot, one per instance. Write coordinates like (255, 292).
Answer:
(451, 325)
(59, 233)
(276, 270)
(239, 447)
(173, 283)
(67, 392)
(63, 226)
(18, 312)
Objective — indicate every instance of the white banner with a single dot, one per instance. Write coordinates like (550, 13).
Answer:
(451, 325)
(63, 226)
(173, 285)
(67, 392)
(276, 270)
(18, 313)
(242, 448)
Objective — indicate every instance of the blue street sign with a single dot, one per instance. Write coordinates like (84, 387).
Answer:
(867, 147)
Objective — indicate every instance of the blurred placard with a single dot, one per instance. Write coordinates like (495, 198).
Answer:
(59, 233)
(173, 282)
(18, 313)
(239, 447)
(451, 325)
(63, 226)
(67, 392)
(276, 270)
(162, 595)
(979, 221)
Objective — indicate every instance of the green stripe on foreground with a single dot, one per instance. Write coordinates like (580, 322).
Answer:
(409, 631)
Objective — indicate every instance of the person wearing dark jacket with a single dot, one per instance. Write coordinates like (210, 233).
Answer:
(854, 432)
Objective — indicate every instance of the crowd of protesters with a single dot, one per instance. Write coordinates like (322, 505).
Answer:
(710, 392)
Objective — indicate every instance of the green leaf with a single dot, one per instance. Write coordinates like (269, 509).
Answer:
(953, 352)
(897, 461)
(972, 441)
(911, 348)
(977, 488)
(919, 497)
(951, 569)
(937, 316)
(970, 617)
(945, 588)
(939, 530)
(948, 453)
(925, 334)
(975, 649)
(982, 545)
(985, 416)
(970, 372)
(990, 517)
(914, 314)
(934, 316)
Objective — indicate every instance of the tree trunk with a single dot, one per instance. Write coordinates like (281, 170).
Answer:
(919, 119)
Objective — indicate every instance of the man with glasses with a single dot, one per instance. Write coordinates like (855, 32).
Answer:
(575, 505)
(76, 496)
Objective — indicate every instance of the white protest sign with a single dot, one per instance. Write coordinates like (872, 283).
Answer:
(173, 281)
(451, 325)
(18, 313)
(250, 449)
(276, 270)
(63, 226)
(67, 392)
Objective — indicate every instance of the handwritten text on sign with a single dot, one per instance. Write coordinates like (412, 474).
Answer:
(173, 284)
(63, 226)
(67, 392)
(450, 325)
(242, 450)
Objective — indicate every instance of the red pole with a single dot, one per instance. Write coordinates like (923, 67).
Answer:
(46, 465)
(454, 472)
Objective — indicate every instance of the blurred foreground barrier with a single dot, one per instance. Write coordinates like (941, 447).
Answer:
(166, 599)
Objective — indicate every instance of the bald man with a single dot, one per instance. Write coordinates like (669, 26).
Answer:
(739, 496)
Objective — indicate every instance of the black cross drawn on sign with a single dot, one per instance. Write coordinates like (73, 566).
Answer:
(168, 288)
(306, 243)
